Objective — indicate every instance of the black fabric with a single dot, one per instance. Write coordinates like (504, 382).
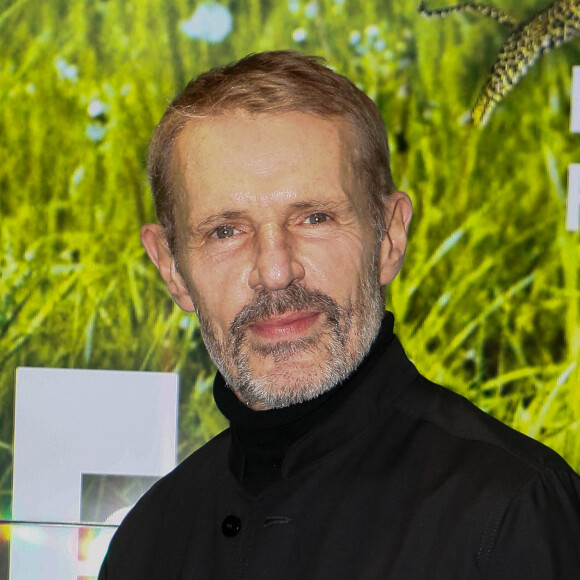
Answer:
(404, 480)
(264, 437)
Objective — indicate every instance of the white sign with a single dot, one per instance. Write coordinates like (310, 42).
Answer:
(72, 423)
(573, 205)
(575, 101)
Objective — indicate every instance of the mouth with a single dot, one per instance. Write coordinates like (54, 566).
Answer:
(287, 326)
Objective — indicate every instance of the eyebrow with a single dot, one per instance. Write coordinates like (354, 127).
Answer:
(217, 219)
(324, 205)
(225, 216)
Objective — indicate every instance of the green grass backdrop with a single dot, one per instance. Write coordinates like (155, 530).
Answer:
(488, 301)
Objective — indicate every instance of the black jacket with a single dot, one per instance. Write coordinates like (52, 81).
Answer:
(405, 480)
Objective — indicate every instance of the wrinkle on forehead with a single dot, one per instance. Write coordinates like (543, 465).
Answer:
(261, 158)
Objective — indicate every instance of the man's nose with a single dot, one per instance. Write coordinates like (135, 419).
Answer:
(276, 265)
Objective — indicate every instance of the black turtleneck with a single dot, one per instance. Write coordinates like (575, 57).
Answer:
(265, 436)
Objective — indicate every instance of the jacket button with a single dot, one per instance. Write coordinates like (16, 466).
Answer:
(231, 526)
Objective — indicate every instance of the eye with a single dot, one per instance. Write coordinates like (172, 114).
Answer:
(223, 232)
(317, 218)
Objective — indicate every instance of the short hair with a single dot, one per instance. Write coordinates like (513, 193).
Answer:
(277, 82)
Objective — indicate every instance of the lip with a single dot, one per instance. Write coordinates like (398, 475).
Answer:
(287, 326)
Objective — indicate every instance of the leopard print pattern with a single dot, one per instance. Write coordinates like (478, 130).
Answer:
(527, 42)
(489, 11)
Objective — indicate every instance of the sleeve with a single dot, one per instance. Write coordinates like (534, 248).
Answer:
(539, 534)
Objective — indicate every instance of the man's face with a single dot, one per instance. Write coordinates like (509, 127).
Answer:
(276, 253)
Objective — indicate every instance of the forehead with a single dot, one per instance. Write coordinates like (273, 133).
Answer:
(251, 157)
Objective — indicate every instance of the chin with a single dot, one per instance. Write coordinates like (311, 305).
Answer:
(286, 384)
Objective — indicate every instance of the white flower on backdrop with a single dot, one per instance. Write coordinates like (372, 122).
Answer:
(210, 21)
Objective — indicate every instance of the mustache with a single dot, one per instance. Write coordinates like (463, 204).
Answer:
(268, 303)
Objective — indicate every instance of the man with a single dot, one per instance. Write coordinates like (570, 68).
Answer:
(280, 227)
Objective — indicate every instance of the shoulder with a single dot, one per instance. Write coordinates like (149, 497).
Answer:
(186, 476)
(528, 496)
(461, 421)
(161, 518)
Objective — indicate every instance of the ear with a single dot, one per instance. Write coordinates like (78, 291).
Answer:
(398, 213)
(155, 244)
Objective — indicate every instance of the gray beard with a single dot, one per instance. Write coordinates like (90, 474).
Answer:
(340, 344)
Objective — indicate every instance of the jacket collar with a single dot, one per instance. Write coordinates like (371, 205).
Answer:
(315, 428)
(370, 402)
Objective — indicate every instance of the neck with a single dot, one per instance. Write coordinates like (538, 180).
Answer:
(265, 436)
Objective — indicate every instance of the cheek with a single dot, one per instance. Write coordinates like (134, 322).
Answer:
(220, 291)
(336, 268)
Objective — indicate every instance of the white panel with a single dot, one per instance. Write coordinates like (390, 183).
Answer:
(573, 205)
(69, 422)
(575, 101)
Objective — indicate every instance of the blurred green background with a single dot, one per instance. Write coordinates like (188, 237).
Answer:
(488, 301)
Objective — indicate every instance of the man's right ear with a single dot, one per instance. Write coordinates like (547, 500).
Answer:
(155, 244)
